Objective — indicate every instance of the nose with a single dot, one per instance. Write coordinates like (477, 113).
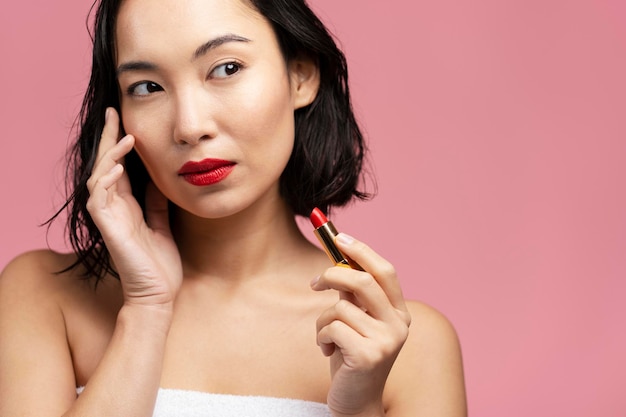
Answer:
(193, 120)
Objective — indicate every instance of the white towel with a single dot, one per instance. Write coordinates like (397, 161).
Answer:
(182, 403)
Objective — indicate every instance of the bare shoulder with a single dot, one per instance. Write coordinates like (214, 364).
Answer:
(433, 343)
(35, 357)
(430, 328)
(35, 272)
(41, 281)
(31, 289)
(427, 377)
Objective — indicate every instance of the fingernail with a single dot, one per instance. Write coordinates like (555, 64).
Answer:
(344, 239)
(106, 114)
(315, 280)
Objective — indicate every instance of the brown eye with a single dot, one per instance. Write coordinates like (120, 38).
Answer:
(225, 70)
(144, 88)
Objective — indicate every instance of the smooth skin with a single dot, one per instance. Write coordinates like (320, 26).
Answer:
(232, 298)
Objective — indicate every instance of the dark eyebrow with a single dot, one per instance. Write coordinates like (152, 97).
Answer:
(134, 66)
(214, 43)
(202, 49)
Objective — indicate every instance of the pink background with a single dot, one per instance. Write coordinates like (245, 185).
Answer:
(498, 135)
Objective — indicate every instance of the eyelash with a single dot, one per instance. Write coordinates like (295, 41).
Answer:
(131, 90)
(237, 64)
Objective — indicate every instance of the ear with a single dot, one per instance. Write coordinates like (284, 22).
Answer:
(305, 81)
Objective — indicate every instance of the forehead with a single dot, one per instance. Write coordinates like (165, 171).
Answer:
(143, 25)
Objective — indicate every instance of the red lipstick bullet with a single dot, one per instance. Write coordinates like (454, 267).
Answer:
(326, 233)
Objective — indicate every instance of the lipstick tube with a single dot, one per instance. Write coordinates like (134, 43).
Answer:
(326, 232)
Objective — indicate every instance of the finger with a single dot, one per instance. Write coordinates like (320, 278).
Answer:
(110, 133)
(383, 271)
(367, 293)
(100, 196)
(351, 315)
(110, 158)
(339, 334)
(108, 138)
(157, 209)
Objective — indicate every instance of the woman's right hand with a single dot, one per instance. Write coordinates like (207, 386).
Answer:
(143, 251)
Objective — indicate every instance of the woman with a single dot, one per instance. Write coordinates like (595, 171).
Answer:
(206, 126)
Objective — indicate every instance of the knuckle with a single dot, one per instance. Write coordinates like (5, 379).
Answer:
(402, 333)
(90, 205)
(387, 347)
(364, 279)
(399, 327)
(90, 183)
(335, 326)
(406, 317)
(343, 306)
(391, 345)
(387, 269)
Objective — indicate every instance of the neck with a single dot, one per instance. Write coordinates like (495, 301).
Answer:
(253, 243)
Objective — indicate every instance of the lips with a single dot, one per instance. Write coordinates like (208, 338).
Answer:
(206, 172)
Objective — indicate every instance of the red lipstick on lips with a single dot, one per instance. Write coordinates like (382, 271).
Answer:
(326, 233)
(206, 172)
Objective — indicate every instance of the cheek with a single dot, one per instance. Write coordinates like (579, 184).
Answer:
(267, 110)
(136, 123)
(149, 152)
(143, 127)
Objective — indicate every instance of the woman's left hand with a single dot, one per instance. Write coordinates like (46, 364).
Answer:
(364, 331)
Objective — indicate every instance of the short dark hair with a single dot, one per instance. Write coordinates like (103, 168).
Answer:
(325, 166)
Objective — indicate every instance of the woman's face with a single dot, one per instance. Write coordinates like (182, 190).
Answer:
(208, 97)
